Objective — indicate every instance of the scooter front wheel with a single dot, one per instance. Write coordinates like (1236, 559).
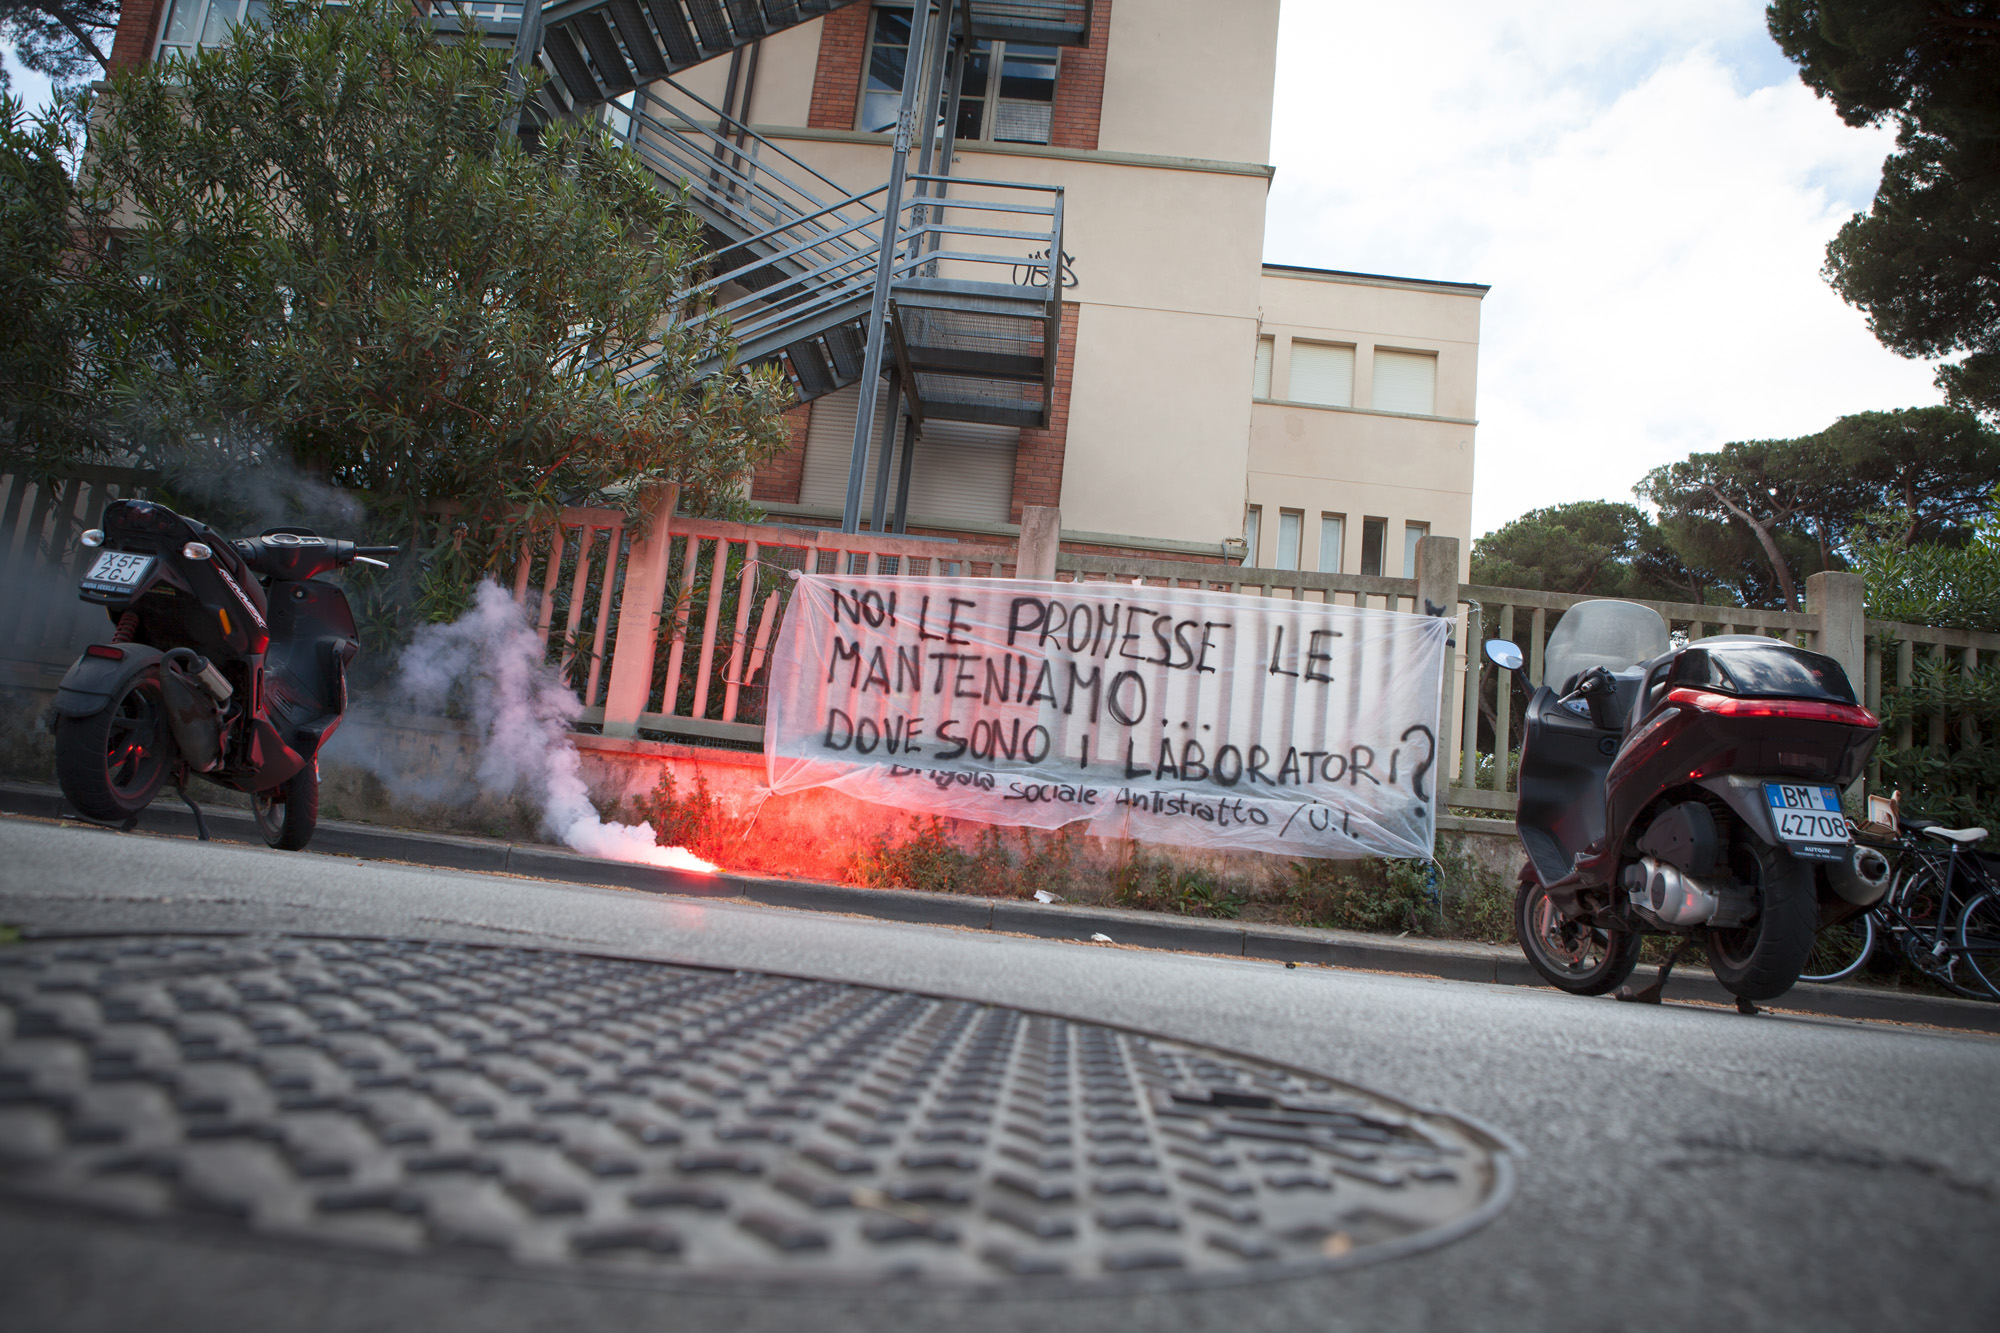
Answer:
(1571, 955)
(287, 814)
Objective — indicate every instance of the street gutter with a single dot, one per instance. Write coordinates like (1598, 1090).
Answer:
(1455, 960)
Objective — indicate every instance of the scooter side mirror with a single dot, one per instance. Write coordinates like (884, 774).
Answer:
(1503, 654)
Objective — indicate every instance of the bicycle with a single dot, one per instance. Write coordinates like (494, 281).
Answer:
(1929, 911)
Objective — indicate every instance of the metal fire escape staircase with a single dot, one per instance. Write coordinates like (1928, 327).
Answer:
(974, 310)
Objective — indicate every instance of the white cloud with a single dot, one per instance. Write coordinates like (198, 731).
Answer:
(1649, 190)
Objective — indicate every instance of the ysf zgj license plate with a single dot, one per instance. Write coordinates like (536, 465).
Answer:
(118, 569)
(1806, 813)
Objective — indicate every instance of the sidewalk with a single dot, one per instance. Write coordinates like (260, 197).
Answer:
(1450, 959)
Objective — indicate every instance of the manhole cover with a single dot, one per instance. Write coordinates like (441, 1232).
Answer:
(572, 1111)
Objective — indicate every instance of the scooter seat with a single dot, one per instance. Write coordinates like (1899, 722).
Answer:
(1962, 836)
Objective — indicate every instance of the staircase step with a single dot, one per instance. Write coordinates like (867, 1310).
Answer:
(849, 350)
(810, 369)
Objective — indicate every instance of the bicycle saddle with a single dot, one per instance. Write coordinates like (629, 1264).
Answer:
(1961, 836)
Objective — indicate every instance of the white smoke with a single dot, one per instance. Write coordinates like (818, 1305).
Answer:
(491, 660)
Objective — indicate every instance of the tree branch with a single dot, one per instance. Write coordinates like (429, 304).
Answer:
(1770, 545)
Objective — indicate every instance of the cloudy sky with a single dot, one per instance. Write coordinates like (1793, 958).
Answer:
(1647, 187)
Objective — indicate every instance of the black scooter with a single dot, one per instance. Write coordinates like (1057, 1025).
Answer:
(227, 659)
(1690, 792)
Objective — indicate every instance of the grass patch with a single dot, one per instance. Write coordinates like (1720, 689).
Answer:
(1155, 884)
(927, 859)
(1449, 898)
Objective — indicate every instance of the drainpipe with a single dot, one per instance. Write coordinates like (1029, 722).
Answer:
(885, 256)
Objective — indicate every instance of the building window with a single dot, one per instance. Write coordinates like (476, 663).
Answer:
(1008, 93)
(1332, 537)
(1252, 520)
(1412, 534)
(193, 24)
(1406, 382)
(1260, 379)
(1322, 374)
(1374, 531)
(1290, 522)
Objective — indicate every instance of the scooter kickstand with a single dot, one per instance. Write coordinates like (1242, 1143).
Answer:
(1651, 994)
(200, 823)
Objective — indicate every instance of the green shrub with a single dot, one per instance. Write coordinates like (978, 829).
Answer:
(694, 821)
(1451, 897)
(1156, 884)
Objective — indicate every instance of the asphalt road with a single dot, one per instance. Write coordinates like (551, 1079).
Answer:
(1681, 1166)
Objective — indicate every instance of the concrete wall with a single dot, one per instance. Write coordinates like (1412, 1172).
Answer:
(1357, 461)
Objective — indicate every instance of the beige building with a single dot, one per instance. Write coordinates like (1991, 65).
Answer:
(1189, 395)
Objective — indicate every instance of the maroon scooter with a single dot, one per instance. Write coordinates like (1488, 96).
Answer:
(227, 660)
(1691, 792)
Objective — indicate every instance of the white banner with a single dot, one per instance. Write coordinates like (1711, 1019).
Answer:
(1171, 715)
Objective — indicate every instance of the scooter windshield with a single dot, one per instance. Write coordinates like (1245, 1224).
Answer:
(1611, 634)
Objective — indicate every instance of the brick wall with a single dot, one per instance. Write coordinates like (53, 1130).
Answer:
(843, 45)
(1080, 85)
(138, 25)
(1038, 459)
(777, 480)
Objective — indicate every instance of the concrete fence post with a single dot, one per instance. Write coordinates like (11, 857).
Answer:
(631, 683)
(1840, 600)
(1041, 538)
(1437, 595)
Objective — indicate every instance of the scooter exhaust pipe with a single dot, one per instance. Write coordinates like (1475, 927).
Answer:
(1862, 878)
(1672, 895)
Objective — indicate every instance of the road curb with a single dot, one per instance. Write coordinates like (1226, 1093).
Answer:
(1446, 959)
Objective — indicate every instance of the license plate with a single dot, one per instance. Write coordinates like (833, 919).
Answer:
(1806, 813)
(119, 569)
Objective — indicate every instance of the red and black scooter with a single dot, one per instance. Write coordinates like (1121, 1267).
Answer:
(1691, 792)
(227, 659)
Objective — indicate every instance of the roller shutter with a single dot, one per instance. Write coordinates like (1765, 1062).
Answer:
(963, 471)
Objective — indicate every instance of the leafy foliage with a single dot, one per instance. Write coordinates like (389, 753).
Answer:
(1451, 897)
(315, 244)
(1156, 884)
(1957, 587)
(1924, 261)
(692, 820)
(1957, 781)
(68, 40)
(928, 860)
(1593, 547)
(42, 327)
(1756, 515)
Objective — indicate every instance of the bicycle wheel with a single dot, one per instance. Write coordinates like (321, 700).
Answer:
(1979, 937)
(1840, 950)
(1931, 941)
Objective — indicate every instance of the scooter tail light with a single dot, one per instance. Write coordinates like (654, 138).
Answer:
(1798, 710)
(106, 651)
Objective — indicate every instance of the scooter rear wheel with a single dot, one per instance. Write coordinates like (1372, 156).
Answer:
(1571, 955)
(113, 763)
(287, 814)
(1763, 960)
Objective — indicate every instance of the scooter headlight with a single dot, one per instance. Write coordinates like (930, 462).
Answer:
(94, 537)
(196, 551)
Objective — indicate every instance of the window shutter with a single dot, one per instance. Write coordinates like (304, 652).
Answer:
(1406, 382)
(1260, 380)
(1322, 373)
